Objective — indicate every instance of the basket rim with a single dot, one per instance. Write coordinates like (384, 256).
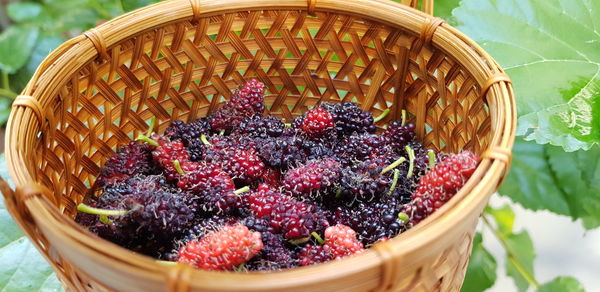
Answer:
(488, 174)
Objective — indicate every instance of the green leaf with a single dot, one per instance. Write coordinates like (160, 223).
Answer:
(443, 9)
(562, 284)
(481, 273)
(23, 11)
(129, 5)
(43, 46)
(544, 177)
(16, 44)
(520, 261)
(551, 49)
(505, 218)
(22, 268)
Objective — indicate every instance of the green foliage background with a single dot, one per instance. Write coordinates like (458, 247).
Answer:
(550, 48)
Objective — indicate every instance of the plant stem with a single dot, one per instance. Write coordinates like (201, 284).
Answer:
(394, 182)
(242, 190)
(167, 263)
(95, 211)
(204, 140)
(403, 118)
(393, 165)
(431, 155)
(382, 115)
(317, 237)
(511, 255)
(147, 140)
(151, 126)
(8, 93)
(411, 160)
(5, 81)
(177, 165)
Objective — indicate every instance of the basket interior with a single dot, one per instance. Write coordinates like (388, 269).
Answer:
(185, 70)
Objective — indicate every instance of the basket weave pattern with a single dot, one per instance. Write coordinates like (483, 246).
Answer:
(100, 90)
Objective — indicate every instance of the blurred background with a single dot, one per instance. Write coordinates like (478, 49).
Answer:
(540, 232)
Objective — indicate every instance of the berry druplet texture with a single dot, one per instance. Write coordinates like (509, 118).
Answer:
(312, 178)
(314, 254)
(130, 160)
(222, 250)
(317, 122)
(342, 241)
(248, 101)
(440, 184)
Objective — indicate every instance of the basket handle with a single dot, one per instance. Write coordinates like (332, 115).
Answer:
(426, 5)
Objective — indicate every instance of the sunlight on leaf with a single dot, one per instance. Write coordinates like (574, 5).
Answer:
(551, 49)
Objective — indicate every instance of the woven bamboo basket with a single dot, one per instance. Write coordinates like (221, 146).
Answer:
(179, 60)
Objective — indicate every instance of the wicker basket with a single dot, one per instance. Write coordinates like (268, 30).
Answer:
(179, 60)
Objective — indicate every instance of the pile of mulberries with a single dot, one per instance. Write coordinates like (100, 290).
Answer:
(242, 191)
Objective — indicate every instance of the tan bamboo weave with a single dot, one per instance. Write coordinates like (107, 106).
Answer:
(179, 60)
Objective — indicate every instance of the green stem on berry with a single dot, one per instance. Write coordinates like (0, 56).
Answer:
(95, 211)
(147, 140)
(411, 161)
(104, 219)
(403, 118)
(166, 263)
(338, 193)
(240, 267)
(242, 190)
(177, 165)
(299, 241)
(288, 125)
(511, 255)
(403, 217)
(317, 237)
(431, 155)
(222, 132)
(393, 165)
(394, 182)
(151, 127)
(204, 140)
(382, 115)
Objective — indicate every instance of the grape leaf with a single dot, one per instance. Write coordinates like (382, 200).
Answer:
(16, 44)
(481, 272)
(22, 268)
(544, 177)
(551, 49)
(562, 284)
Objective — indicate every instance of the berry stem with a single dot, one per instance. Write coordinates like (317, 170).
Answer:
(403, 217)
(338, 193)
(403, 118)
(242, 190)
(222, 132)
(288, 125)
(394, 182)
(393, 165)
(151, 127)
(240, 267)
(299, 241)
(178, 166)
(431, 155)
(382, 115)
(95, 211)
(104, 219)
(147, 140)
(411, 159)
(204, 140)
(317, 237)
